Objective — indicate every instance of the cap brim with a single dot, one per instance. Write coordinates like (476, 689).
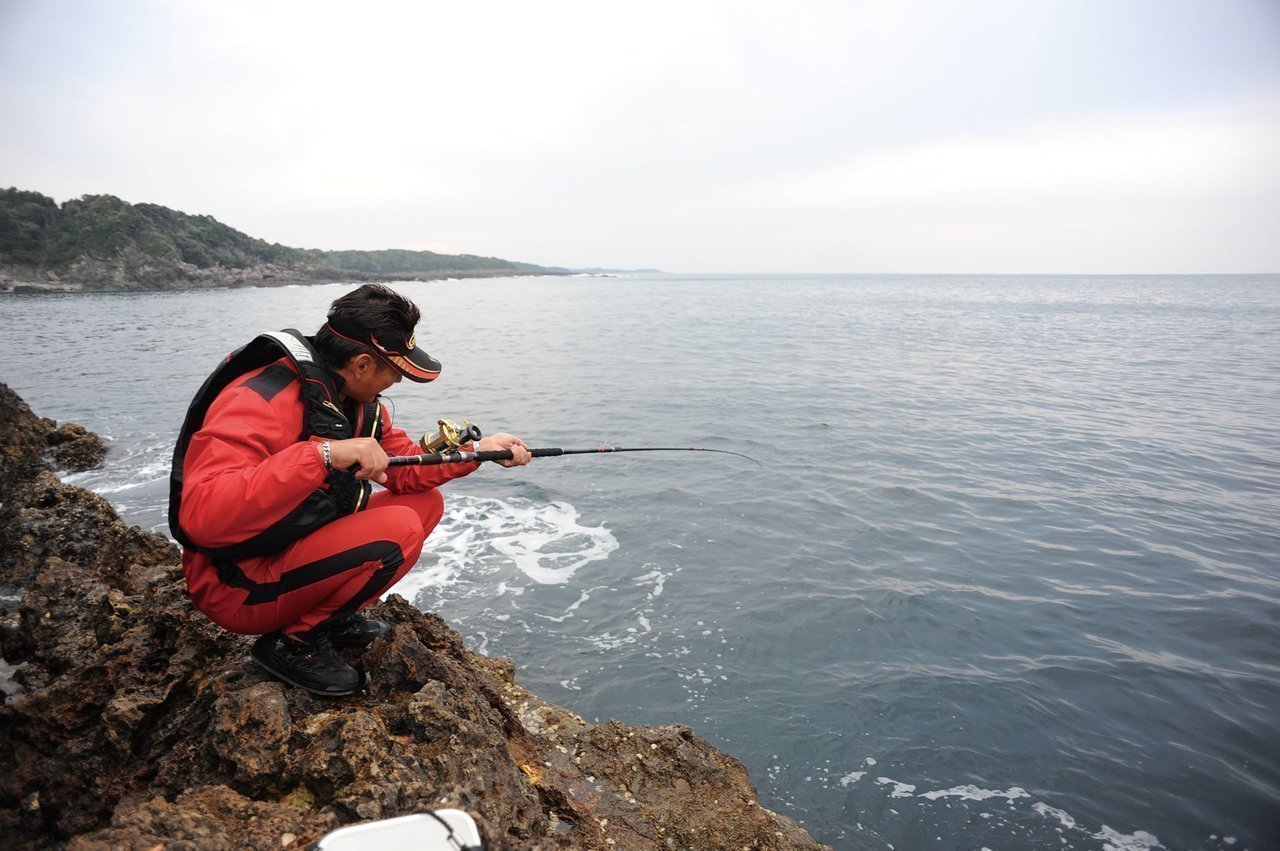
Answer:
(417, 365)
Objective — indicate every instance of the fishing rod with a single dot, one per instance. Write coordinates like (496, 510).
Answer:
(463, 456)
(444, 447)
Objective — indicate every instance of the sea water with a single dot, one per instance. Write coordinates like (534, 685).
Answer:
(1008, 578)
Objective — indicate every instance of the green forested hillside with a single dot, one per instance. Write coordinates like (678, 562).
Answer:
(102, 242)
(35, 231)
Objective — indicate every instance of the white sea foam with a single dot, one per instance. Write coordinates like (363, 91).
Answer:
(1110, 838)
(145, 476)
(1061, 815)
(128, 468)
(544, 541)
(548, 544)
(659, 580)
(1139, 840)
(900, 790)
(970, 792)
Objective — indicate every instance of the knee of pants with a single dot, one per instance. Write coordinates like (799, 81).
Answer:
(403, 524)
(429, 506)
(432, 509)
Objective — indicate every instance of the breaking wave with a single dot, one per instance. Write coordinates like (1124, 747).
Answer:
(480, 536)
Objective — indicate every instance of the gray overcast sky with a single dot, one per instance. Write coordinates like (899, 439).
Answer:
(981, 136)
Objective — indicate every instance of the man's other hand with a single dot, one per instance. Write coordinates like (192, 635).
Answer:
(519, 452)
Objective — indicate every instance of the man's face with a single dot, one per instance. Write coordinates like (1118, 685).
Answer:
(367, 376)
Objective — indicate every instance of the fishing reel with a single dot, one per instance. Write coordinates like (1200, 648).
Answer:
(449, 437)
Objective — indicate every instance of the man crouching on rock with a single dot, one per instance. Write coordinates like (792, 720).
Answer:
(271, 493)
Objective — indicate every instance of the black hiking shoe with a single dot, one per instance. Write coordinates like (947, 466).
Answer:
(356, 631)
(313, 665)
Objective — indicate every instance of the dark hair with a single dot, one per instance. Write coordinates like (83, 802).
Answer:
(380, 310)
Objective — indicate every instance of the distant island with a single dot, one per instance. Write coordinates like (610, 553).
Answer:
(100, 243)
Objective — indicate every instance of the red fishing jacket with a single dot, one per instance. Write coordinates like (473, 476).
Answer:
(246, 470)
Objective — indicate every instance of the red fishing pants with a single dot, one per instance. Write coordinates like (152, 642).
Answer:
(331, 573)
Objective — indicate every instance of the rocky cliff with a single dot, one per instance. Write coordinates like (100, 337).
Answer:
(137, 723)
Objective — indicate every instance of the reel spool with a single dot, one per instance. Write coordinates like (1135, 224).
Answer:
(449, 437)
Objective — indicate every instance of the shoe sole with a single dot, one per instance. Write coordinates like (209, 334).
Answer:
(291, 681)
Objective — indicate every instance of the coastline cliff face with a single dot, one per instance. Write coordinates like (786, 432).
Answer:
(137, 723)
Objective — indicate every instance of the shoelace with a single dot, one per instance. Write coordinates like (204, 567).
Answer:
(309, 649)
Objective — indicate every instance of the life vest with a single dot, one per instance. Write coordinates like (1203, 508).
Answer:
(342, 493)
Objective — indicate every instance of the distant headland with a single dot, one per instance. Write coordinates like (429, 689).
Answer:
(99, 243)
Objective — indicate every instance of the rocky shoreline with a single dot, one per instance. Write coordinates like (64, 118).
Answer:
(121, 276)
(137, 723)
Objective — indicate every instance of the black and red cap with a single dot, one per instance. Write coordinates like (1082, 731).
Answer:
(401, 353)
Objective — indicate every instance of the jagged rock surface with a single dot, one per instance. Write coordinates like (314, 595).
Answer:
(75, 448)
(40, 516)
(140, 724)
